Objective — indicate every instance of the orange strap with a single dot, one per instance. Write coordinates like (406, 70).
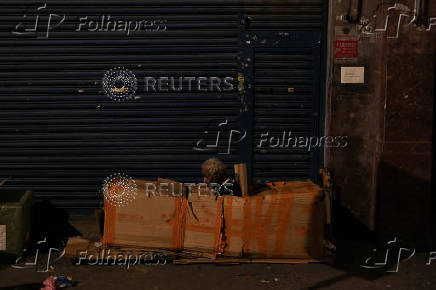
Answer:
(110, 213)
(247, 225)
(284, 213)
(263, 224)
(219, 245)
(179, 222)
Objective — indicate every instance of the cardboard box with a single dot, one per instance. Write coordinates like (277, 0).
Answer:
(168, 187)
(149, 221)
(286, 221)
(204, 221)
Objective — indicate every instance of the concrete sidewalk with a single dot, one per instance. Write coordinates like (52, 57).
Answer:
(413, 274)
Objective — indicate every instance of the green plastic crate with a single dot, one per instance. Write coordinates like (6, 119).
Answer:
(15, 211)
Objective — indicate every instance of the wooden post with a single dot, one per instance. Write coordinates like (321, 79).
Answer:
(242, 170)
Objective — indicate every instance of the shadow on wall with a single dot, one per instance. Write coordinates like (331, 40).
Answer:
(358, 247)
(404, 205)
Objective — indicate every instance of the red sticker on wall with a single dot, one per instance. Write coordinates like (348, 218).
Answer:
(346, 49)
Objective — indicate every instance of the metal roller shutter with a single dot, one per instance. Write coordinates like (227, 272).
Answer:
(286, 107)
(61, 135)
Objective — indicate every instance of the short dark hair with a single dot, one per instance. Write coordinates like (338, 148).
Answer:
(214, 169)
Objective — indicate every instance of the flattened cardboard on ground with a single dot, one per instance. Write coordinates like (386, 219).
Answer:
(75, 245)
(148, 221)
(233, 261)
(284, 222)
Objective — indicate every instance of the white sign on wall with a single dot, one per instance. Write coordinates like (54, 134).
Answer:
(352, 75)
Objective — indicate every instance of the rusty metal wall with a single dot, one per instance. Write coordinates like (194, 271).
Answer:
(384, 176)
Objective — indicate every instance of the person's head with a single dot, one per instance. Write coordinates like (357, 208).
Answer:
(213, 170)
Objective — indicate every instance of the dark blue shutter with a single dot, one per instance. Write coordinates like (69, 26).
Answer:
(61, 135)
